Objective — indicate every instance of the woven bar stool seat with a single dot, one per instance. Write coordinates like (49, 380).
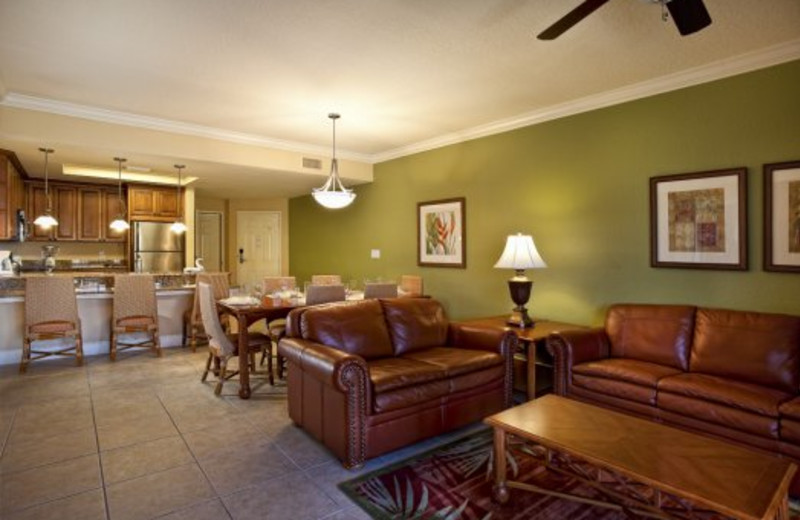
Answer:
(135, 314)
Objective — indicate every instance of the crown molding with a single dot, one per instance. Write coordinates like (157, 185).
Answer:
(747, 62)
(51, 106)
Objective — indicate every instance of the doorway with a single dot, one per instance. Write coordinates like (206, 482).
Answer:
(258, 246)
(210, 240)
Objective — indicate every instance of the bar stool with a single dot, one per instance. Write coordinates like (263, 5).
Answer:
(135, 312)
(51, 312)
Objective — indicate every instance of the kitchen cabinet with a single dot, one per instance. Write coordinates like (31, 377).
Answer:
(64, 207)
(97, 208)
(37, 203)
(153, 203)
(12, 195)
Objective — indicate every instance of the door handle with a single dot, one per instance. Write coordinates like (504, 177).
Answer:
(241, 255)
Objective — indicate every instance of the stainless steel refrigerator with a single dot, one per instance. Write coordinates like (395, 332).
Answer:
(156, 249)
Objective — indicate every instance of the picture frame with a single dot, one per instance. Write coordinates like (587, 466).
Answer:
(441, 233)
(699, 220)
(782, 217)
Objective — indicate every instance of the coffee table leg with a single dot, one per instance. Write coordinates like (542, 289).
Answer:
(500, 489)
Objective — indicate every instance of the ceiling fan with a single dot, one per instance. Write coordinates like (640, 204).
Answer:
(689, 15)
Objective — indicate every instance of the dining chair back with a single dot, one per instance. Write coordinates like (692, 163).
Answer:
(316, 294)
(411, 285)
(51, 311)
(326, 279)
(273, 284)
(223, 346)
(193, 323)
(380, 290)
(135, 313)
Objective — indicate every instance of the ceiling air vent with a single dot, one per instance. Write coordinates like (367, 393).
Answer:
(312, 163)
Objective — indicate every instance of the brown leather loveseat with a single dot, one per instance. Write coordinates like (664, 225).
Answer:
(365, 378)
(732, 374)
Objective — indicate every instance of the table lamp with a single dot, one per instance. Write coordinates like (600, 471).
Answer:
(520, 254)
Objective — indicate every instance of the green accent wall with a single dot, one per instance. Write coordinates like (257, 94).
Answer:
(580, 186)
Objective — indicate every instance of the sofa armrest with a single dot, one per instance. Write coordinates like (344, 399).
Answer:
(503, 342)
(572, 347)
(328, 365)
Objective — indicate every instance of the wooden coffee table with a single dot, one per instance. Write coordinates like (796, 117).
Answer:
(664, 471)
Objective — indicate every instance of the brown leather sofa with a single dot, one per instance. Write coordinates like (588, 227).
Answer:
(365, 378)
(731, 374)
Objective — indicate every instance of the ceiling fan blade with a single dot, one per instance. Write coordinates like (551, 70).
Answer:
(571, 18)
(689, 15)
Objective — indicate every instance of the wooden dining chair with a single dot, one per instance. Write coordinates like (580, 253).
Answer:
(380, 290)
(316, 294)
(193, 323)
(221, 346)
(135, 314)
(51, 312)
(411, 285)
(277, 328)
(326, 279)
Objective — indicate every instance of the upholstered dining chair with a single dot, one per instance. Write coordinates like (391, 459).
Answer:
(316, 294)
(277, 328)
(380, 290)
(221, 346)
(411, 285)
(135, 314)
(326, 279)
(51, 312)
(193, 323)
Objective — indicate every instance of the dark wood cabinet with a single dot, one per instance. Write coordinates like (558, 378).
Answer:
(37, 204)
(153, 203)
(65, 209)
(12, 195)
(112, 207)
(97, 208)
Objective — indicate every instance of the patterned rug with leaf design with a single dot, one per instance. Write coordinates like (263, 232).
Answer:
(453, 482)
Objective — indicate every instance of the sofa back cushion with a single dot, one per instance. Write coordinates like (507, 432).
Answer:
(659, 334)
(759, 348)
(353, 327)
(415, 323)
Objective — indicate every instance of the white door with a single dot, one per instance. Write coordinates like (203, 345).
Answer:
(208, 240)
(258, 246)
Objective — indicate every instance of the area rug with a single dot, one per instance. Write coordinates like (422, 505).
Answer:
(453, 482)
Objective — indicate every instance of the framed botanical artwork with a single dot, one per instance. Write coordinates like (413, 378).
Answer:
(441, 233)
(782, 217)
(699, 220)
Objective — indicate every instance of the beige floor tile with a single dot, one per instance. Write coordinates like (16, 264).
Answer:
(109, 415)
(54, 410)
(351, 513)
(41, 430)
(144, 458)
(301, 448)
(204, 415)
(84, 506)
(328, 476)
(228, 474)
(134, 431)
(158, 493)
(69, 445)
(293, 497)
(208, 510)
(34, 486)
(228, 439)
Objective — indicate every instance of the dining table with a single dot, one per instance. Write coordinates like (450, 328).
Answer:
(246, 314)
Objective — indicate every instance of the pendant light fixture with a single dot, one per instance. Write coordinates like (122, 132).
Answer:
(119, 224)
(46, 220)
(178, 226)
(333, 194)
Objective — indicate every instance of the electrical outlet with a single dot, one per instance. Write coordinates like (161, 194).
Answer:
(375, 253)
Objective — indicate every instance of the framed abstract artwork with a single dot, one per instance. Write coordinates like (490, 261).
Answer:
(699, 220)
(782, 217)
(441, 233)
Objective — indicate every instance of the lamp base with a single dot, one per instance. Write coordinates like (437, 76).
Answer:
(520, 289)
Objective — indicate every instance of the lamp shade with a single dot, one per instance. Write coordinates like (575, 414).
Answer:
(520, 253)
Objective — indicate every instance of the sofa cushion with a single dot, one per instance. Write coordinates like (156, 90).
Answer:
(660, 334)
(415, 323)
(615, 388)
(637, 372)
(356, 328)
(718, 414)
(759, 348)
(409, 396)
(752, 398)
(456, 361)
(398, 372)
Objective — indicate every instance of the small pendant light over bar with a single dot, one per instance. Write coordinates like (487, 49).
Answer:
(178, 226)
(333, 194)
(119, 223)
(46, 220)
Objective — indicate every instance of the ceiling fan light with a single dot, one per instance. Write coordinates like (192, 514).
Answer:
(689, 15)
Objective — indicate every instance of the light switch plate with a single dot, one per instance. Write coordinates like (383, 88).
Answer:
(375, 253)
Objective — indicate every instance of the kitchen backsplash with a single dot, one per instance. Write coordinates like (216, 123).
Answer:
(85, 252)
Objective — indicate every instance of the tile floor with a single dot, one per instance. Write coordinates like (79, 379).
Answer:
(143, 438)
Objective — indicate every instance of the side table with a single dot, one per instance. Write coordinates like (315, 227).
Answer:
(530, 339)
